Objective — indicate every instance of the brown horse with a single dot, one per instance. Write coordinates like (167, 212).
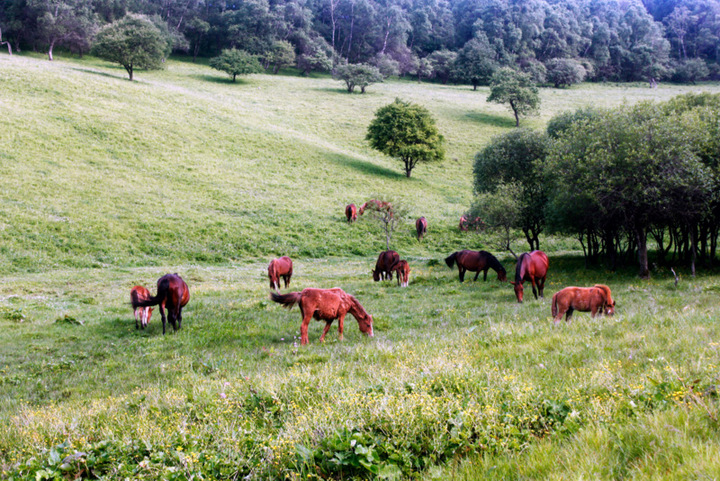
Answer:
(378, 205)
(173, 293)
(280, 267)
(421, 227)
(597, 299)
(533, 267)
(466, 223)
(476, 261)
(142, 314)
(383, 266)
(325, 305)
(351, 212)
(402, 270)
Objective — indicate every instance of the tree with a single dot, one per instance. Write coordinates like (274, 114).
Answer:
(516, 89)
(500, 211)
(384, 213)
(68, 22)
(5, 42)
(690, 71)
(565, 72)
(236, 62)
(357, 75)
(195, 30)
(475, 63)
(281, 54)
(316, 55)
(442, 64)
(387, 66)
(406, 131)
(133, 42)
(517, 158)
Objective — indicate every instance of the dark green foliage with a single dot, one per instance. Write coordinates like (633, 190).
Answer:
(280, 55)
(357, 75)
(564, 121)
(475, 62)
(516, 89)
(133, 42)
(690, 71)
(406, 131)
(236, 62)
(516, 158)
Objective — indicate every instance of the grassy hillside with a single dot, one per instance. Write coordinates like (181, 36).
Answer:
(106, 184)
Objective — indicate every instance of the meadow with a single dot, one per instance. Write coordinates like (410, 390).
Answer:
(105, 184)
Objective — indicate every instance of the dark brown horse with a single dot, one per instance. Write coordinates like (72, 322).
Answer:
(383, 266)
(421, 227)
(476, 261)
(142, 314)
(402, 270)
(173, 294)
(533, 267)
(351, 212)
(325, 305)
(597, 300)
(280, 267)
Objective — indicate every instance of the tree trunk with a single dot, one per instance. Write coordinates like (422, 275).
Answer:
(693, 249)
(50, 50)
(517, 117)
(641, 237)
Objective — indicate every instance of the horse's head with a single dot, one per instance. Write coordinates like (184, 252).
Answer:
(376, 275)
(502, 275)
(518, 290)
(366, 325)
(610, 309)
(145, 314)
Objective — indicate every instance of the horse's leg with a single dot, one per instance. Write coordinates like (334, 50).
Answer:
(558, 316)
(341, 325)
(534, 287)
(136, 319)
(484, 275)
(541, 286)
(162, 315)
(304, 328)
(179, 318)
(569, 314)
(461, 270)
(477, 274)
(325, 330)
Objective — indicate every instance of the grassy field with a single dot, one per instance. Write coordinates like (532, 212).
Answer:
(105, 184)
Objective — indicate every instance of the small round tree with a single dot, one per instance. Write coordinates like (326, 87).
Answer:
(358, 75)
(407, 132)
(565, 72)
(517, 89)
(236, 62)
(133, 42)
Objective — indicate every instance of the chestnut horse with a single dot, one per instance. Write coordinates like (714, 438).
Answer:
(142, 314)
(351, 212)
(383, 266)
(325, 305)
(597, 299)
(476, 261)
(280, 267)
(421, 227)
(173, 293)
(402, 270)
(533, 267)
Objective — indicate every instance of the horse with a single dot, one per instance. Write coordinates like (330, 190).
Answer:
(466, 223)
(531, 266)
(173, 293)
(597, 299)
(142, 314)
(383, 266)
(280, 267)
(476, 261)
(325, 305)
(421, 227)
(402, 270)
(379, 205)
(351, 212)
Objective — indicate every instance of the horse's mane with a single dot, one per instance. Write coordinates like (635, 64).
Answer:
(492, 261)
(519, 267)
(355, 306)
(606, 289)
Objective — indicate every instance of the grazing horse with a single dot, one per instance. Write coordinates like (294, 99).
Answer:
(421, 227)
(383, 266)
(173, 293)
(597, 299)
(280, 267)
(142, 314)
(466, 223)
(379, 205)
(351, 212)
(476, 261)
(531, 266)
(402, 270)
(325, 305)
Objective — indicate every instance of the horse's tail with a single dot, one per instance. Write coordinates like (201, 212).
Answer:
(287, 300)
(450, 260)
(554, 308)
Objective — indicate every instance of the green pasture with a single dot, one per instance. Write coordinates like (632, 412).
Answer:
(105, 184)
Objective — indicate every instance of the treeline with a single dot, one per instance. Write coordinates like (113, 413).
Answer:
(459, 40)
(614, 179)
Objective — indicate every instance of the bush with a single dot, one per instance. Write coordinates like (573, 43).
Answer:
(563, 72)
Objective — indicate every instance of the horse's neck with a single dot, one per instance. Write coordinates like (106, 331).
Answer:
(356, 309)
(521, 269)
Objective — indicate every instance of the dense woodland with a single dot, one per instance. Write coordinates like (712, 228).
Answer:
(459, 41)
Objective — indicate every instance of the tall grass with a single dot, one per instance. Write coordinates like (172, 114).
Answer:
(106, 184)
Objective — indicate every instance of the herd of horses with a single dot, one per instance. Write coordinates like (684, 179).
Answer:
(331, 304)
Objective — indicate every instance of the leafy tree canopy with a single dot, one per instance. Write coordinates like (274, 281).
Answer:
(407, 132)
(516, 89)
(357, 75)
(236, 62)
